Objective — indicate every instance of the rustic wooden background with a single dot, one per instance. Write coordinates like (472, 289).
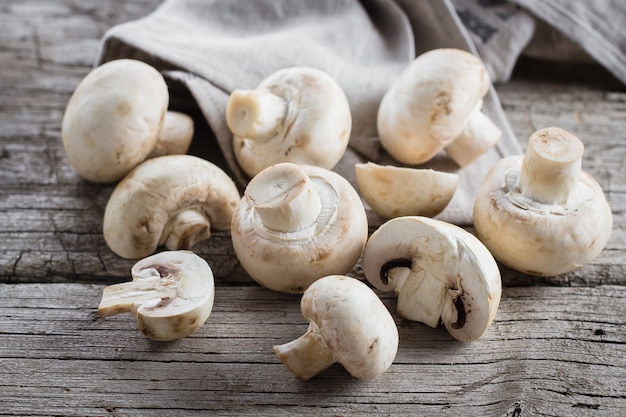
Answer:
(557, 346)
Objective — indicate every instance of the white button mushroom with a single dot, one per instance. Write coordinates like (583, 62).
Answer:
(435, 104)
(171, 295)
(347, 324)
(439, 272)
(172, 200)
(297, 114)
(296, 224)
(539, 213)
(117, 117)
(399, 191)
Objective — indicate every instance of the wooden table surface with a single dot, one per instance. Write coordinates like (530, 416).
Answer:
(557, 346)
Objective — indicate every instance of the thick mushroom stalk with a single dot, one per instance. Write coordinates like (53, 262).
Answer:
(539, 213)
(439, 271)
(117, 117)
(296, 224)
(171, 295)
(347, 324)
(171, 200)
(436, 104)
(297, 114)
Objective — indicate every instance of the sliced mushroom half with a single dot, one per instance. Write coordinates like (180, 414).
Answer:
(439, 271)
(171, 295)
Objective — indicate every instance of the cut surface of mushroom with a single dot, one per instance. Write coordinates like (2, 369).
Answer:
(348, 324)
(171, 295)
(539, 213)
(297, 114)
(296, 224)
(439, 271)
(435, 104)
(398, 191)
(171, 200)
(115, 118)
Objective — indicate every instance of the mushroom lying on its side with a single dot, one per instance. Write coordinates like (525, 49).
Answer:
(171, 200)
(539, 213)
(397, 191)
(117, 117)
(439, 272)
(171, 295)
(297, 114)
(296, 224)
(435, 104)
(347, 324)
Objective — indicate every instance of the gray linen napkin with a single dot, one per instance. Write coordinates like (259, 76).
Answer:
(215, 46)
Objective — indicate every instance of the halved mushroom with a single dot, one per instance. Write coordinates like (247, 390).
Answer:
(172, 200)
(297, 114)
(348, 324)
(117, 117)
(439, 271)
(398, 191)
(171, 295)
(435, 104)
(539, 213)
(296, 224)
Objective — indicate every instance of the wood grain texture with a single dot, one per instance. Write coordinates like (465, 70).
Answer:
(557, 347)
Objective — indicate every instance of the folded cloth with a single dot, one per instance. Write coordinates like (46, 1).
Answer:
(216, 46)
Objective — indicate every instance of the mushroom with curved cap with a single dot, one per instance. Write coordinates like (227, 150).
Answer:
(439, 272)
(400, 191)
(435, 104)
(171, 200)
(296, 224)
(297, 114)
(539, 213)
(171, 295)
(348, 324)
(117, 117)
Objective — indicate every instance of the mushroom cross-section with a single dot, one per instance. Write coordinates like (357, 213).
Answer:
(297, 114)
(539, 213)
(435, 104)
(439, 271)
(117, 117)
(296, 224)
(171, 200)
(348, 324)
(171, 295)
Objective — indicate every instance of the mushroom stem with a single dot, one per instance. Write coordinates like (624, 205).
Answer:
(255, 114)
(306, 356)
(122, 297)
(551, 166)
(185, 228)
(479, 134)
(284, 197)
(176, 135)
(421, 296)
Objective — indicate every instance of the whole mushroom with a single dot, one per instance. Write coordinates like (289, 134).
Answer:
(348, 324)
(436, 104)
(171, 295)
(297, 114)
(296, 224)
(171, 200)
(117, 117)
(539, 213)
(439, 271)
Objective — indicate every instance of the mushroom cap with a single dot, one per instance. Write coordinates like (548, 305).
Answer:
(171, 295)
(398, 191)
(148, 204)
(316, 129)
(113, 119)
(438, 270)
(537, 239)
(428, 106)
(291, 261)
(355, 324)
